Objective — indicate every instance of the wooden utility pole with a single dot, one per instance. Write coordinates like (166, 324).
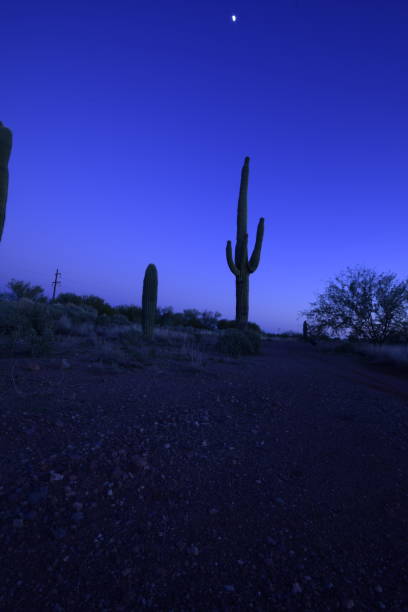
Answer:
(55, 282)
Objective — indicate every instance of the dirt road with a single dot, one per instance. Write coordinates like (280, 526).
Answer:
(276, 482)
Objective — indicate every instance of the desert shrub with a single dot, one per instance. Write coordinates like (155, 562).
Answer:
(235, 342)
(26, 327)
(361, 304)
(254, 327)
(119, 319)
(130, 338)
(133, 313)
(232, 324)
(63, 325)
(70, 298)
(35, 313)
(80, 314)
(255, 340)
(396, 354)
(29, 342)
(103, 320)
(7, 297)
(55, 310)
(10, 318)
(345, 346)
(42, 344)
(110, 354)
(98, 303)
(86, 328)
(21, 289)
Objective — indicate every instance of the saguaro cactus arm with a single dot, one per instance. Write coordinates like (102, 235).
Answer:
(254, 261)
(230, 261)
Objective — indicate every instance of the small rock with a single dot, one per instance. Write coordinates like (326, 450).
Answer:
(77, 516)
(140, 460)
(378, 588)
(32, 366)
(229, 587)
(214, 511)
(30, 515)
(56, 476)
(36, 496)
(348, 604)
(296, 588)
(193, 550)
(65, 364)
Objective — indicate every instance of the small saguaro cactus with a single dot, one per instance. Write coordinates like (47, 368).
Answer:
(305, 330)
(242, 267)
(6, 140)
(149, 300)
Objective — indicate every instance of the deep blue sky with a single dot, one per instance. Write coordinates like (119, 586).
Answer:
(131, 121)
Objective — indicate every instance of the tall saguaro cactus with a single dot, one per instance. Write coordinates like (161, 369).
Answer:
(149, 300)
(5, 151)
(242, 267)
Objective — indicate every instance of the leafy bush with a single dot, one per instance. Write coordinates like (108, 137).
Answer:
(235, 342)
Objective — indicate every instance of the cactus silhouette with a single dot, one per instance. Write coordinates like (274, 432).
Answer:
(5, 150)
(149, 300)
(241, 267)
(305, 330)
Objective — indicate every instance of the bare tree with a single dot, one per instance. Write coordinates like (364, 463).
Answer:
(361, 304)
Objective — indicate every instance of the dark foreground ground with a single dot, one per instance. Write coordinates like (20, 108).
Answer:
(275, 482)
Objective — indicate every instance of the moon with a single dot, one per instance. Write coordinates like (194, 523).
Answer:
(234, 17)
